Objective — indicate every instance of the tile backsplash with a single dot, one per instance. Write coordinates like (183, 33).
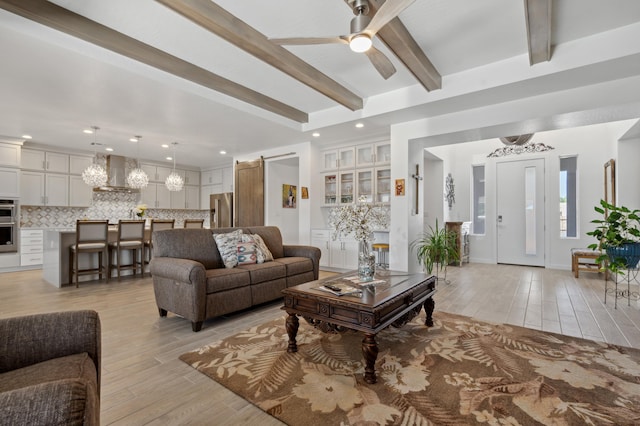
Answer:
(112, 206)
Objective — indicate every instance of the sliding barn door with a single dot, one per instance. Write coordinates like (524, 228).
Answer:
(249, 193)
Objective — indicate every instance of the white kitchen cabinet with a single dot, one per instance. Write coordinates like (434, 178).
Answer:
(191, 177)
(188, 198)
(32, 159)
(346, 187)
(156, 173)
(211, 177)
(321, 238)
(373, 154)
(79, 163)
(156, 196)
(192, 197)
(10, 179)
(339, 158)
(80, 194)
(344, 253)
(10, 155)
(31, 243)
(330, 188)
(44, 189)
(383, 185)
(365, 184)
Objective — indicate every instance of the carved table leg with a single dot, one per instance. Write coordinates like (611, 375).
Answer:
(291, 325)
(429, 306)
(370, 352)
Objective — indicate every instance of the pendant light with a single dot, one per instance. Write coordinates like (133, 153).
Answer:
(174, 181)
(95, 175)
(137, 177)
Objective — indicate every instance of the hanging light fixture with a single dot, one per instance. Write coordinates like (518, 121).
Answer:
(137, 177)
(174, 181)
(95, 175)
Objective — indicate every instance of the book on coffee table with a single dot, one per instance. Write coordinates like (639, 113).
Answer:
(340, 289)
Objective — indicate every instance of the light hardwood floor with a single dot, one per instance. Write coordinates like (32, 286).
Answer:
(143, 382)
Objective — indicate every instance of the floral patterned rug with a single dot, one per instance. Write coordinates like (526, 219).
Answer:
(461, 371)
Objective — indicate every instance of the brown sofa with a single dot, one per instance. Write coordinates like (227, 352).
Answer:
(50, 369)
(190, 279)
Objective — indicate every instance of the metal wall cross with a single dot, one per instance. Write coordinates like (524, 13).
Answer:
(418, 178)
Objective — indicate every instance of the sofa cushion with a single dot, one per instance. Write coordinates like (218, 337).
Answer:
(263, 254)
(228, 247)
(272, 238)
(222, 279)
(262, 272)
(296, 265)
(61, 402)
(247, 254)
(77, 366)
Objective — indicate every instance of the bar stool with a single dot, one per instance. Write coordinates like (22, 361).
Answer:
(91, 237)
(130, 238)
(382, 252)
(156, 225)
(193, 223)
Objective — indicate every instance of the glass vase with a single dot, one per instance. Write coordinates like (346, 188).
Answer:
(366, 262)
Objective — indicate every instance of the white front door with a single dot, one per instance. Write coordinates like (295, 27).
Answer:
(520, 212)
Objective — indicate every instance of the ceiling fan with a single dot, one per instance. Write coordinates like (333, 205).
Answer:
(363, 29)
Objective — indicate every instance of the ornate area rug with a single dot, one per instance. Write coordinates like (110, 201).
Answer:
(461, 371)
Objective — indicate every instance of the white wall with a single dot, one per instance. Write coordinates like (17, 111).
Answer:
(278, 173)
(628, 173)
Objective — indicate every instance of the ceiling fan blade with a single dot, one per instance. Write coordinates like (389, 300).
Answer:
(381, 62)
(389, 10)
(309, 40)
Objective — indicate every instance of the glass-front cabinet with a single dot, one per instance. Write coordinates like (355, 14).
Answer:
(338, 159)
(330, 184)
(373, 154)
(365, 184)
(346, 187)
(383, 185)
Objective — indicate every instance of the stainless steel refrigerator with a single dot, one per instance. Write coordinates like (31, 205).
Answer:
(221, 210)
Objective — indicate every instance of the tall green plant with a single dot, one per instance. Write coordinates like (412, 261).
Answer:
(436, 246)
(619, 225)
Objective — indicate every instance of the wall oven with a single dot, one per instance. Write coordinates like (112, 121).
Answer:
(8, 226)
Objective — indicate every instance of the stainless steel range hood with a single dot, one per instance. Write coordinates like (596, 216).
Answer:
(117, 176)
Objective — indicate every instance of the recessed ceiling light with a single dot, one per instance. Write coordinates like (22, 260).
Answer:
(133, 140)
(164, 145)
(169, 158)
(223, 152)
(27, 136)
(315, 134)
(88, 131)
(359, 125)
(109, 149)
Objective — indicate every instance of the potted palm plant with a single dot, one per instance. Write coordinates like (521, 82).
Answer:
(618, 233)
(436, 247)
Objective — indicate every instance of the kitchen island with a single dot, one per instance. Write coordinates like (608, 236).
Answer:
(55, 266)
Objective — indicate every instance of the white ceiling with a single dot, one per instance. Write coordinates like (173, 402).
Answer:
(52, 85)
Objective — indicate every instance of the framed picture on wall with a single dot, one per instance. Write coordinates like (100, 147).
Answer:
(304, 192)
(289, 196)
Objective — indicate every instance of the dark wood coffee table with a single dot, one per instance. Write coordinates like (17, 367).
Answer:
(394, 301)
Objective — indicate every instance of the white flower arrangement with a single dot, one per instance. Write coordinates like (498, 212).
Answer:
(140, 210)
(359, 219)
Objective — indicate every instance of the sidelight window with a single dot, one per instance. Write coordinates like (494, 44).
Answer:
(478, 213)
(568, 197)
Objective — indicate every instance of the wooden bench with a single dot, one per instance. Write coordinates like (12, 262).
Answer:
(585, 260)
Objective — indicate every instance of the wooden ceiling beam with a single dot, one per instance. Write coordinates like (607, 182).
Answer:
(61, 19)
(217, 20)
(398, 39)
(538, 17)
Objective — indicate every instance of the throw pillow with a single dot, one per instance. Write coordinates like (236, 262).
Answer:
(228, 247)
(246, 253)
(262, 251)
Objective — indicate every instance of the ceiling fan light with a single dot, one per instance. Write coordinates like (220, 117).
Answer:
(360, 43)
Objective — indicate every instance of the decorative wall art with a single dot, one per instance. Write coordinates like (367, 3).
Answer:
(449, 191)
(399, 187)
(289, 196)
(304, 192)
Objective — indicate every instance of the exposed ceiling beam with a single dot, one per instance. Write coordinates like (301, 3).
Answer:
(538, 17)
(61, 19)
(213, 18)
(397, 38)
